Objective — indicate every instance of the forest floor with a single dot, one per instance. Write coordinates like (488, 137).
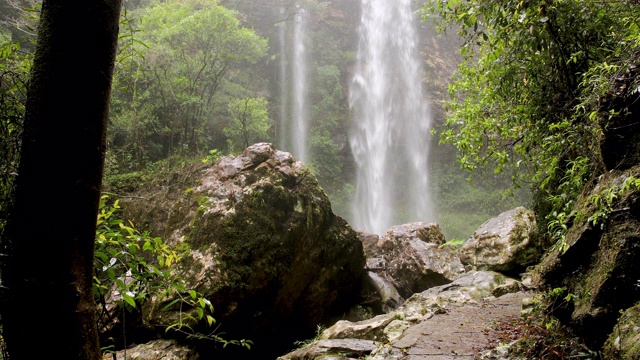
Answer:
(462, 332)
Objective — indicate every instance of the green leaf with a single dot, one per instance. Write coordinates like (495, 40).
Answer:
(173, 302)
(128, 297)
(147, 246)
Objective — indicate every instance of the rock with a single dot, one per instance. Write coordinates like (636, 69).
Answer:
(600, 266)
(620, 141)
(371, 329)
(505, 243)
(265, 248)
(501, 352)
(369, 244)
(333, 349)
(387, 352)
(414, 260)
(472, 288)
(389, 296)
(155, 350)
(510, 286)
(624, 342)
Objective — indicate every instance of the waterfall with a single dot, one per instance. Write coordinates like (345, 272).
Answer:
(391, 120)
(299, 87)
(284, 103)
(294, 119)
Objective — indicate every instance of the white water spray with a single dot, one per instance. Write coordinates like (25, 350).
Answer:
(390, 134)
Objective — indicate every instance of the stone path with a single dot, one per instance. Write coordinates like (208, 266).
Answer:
(460, 333)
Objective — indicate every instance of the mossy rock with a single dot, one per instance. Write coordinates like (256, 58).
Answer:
(600, 267)
(266, 248)
(624, 341)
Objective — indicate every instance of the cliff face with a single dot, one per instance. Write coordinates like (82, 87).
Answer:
(600, 267)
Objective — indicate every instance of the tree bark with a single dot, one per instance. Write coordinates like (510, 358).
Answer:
(48, 307)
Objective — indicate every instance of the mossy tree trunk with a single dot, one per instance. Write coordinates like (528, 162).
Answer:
(48, 308)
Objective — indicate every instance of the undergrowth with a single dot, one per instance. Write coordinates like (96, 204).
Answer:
(539, 335)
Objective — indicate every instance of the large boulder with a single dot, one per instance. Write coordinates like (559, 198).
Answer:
(506, 243)
(265, 248)
(598, 262)
(410, 258)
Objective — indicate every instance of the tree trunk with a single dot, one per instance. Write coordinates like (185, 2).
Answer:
(48, 308)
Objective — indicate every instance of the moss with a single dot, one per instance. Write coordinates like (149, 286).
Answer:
(624, 341)
(257, 225)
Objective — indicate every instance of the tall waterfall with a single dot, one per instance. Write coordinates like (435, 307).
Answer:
(390, 134)
(284, 103)
(294, 119)
(299, 106)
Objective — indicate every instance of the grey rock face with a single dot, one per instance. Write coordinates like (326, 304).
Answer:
(505, 243)
(266, 248)
(414, 260)
(600, 263)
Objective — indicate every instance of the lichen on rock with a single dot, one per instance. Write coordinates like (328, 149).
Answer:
(266, 248)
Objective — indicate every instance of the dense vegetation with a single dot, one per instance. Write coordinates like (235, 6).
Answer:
(528, 97)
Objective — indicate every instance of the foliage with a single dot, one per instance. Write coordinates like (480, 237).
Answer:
(131, 266)
(523, 101)
(465, 202)
(455, 243)
(250, 123)
(14, 68)
(327, 110)
(212, 157)
(178, 62)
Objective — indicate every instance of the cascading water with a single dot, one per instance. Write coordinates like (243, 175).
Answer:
(391, 120)
(284, 103)
(299, 111)
(294, 119)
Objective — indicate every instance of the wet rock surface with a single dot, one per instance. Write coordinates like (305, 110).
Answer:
(458, 332)
(505, 243)
(409, 258)
(443, 322)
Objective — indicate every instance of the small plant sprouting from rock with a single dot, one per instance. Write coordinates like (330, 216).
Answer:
(319, 330)
(213, 157)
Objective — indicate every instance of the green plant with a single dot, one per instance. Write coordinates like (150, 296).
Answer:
(527, 99)
(213, 156)
(131, 266)
(319, 330)
(456, 243)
